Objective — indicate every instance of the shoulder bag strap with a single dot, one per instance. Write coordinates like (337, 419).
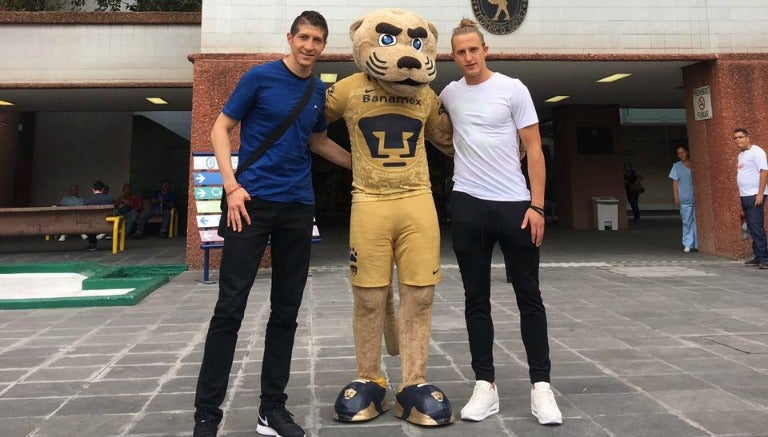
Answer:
(279, 130)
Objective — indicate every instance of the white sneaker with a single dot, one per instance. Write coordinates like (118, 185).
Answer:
(100, 236)
(686, 249)
(62, 237)
(483, 403)
(544, 406)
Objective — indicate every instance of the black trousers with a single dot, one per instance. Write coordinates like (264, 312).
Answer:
(289, 226)
(476, 227)
(633, 198)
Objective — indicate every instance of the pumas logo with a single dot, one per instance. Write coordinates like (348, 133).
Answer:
(350, 393)
(391, 137)
(500, 17)
(438, 396)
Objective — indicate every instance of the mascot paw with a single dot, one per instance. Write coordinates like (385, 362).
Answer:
(423, 404)
(359, 401)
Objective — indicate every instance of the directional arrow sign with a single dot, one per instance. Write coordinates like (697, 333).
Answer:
(203, 193)
(207, 178)
(207, 161)
(209, 236)
(208, 206)
(208, 220)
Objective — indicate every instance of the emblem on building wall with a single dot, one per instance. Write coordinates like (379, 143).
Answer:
(500, 17)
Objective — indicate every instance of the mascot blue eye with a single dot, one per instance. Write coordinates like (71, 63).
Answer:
(417, 44)
(387, 40)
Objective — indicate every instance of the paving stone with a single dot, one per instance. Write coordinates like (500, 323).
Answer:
(649, 425)
(126, 404)
(732, 422)
(680, 381)
(615, 404)
(28, 407)
(631, 356)
(85, 425)
(703, 400)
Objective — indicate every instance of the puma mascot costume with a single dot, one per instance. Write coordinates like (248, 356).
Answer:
(390, 110)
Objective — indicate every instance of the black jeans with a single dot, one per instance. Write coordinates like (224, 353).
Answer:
(476, 227)
(755, 217)
(290, 227)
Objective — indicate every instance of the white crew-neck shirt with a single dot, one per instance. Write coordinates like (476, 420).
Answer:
(486, 118)
(751, 161)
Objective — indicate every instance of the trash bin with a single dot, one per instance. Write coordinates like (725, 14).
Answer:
(606, 212)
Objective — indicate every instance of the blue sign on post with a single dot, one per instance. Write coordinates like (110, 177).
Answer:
(207, 178)
(207, 193)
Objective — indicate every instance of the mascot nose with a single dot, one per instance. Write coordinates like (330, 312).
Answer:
(408, 62)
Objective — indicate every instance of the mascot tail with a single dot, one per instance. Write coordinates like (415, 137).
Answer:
(391, 334)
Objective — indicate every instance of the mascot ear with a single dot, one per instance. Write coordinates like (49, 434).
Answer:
(353, 28)
(432, 28)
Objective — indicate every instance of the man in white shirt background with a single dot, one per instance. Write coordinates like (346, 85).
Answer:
(751, 177)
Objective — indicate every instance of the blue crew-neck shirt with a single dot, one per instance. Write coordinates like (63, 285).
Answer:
(263, 98)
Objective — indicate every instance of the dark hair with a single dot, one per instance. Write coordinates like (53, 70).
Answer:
(98, 185)
(313, 18)
(742, 130)
(684, 147)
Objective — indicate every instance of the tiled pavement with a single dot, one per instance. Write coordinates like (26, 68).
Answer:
(645, 342)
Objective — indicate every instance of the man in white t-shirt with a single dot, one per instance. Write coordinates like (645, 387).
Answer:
(490, 203)
(752, 176)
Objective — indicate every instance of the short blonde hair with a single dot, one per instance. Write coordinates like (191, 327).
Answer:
(467, 26)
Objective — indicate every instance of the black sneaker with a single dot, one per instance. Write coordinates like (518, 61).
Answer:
(205, 428)
(752, 263)
(278, 422)
(763, 265)
(91, 248)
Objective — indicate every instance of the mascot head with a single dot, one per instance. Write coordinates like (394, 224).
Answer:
(396, 48)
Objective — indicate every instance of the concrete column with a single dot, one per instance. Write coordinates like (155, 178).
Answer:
(739, 95)
(581, 176)
(9, 145)
(215, 76)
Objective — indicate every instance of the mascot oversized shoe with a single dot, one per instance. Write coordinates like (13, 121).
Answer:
(423, 404)
(359, 401)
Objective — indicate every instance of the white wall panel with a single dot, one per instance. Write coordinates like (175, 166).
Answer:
(554, 26)
(97, 53)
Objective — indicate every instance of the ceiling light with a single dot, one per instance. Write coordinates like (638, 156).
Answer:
(328, 77)
(615, 77)
(4, 103)
(157, 100)
(554, 99)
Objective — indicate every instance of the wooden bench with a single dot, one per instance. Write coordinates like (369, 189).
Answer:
(48, 220)
(173, 225)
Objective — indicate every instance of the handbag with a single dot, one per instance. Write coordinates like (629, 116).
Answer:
(637, 188)
(259, 152)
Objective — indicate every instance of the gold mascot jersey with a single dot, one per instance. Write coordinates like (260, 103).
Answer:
(387, 137)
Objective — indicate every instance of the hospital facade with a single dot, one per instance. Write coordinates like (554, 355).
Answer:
(77, 85)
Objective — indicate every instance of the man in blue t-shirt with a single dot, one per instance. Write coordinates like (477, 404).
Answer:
(273, 198)
(160, 204)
